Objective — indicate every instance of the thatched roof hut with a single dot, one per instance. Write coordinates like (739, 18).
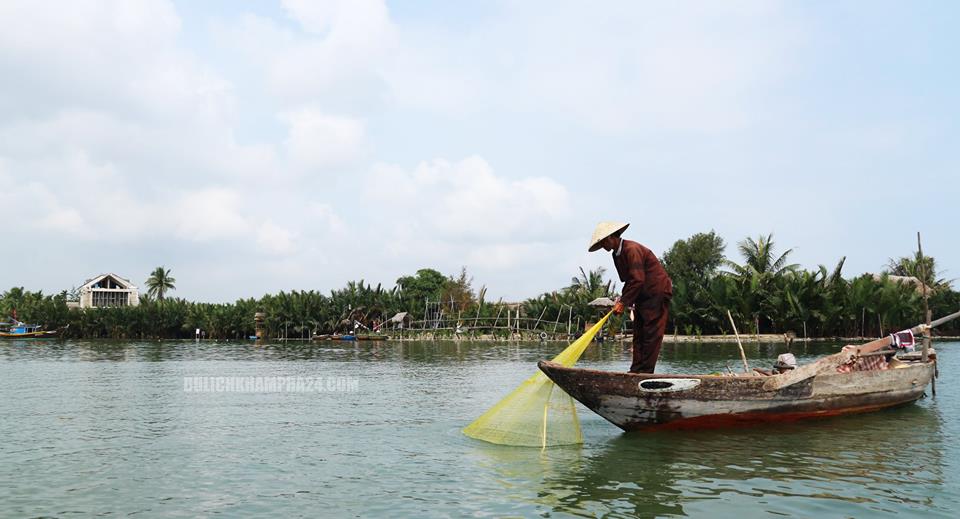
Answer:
(904, 280)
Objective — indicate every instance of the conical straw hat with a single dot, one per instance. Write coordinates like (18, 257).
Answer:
(605, 229)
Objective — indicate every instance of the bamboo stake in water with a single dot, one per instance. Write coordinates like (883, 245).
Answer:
(743, 356)
(541, 316)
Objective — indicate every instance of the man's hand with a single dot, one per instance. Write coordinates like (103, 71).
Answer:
(618, 308)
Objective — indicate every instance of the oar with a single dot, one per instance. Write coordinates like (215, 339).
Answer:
(806, 371)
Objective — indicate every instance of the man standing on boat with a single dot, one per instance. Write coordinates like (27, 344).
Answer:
(646, 287)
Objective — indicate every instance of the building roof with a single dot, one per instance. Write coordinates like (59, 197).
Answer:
(910, 280)
(602, 302)
(123, 282)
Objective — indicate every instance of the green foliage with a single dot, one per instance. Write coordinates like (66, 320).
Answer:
(695, 259)
(288, 314)
(426, 285)
(571, 303)
(759, 279)
(924, 269)
(160, 282)
(692, 265)
(763, 289)
(459, 290)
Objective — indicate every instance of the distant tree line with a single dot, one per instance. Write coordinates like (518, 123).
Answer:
(288, 314)
(764, 293)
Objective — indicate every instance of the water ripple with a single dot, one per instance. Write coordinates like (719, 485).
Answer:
(105, 428)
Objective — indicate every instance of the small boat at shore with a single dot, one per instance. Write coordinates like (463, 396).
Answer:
(856, 380)
(18, 330)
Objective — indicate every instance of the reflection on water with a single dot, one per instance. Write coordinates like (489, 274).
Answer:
(852, 465)
(105, 426)
(691, 355)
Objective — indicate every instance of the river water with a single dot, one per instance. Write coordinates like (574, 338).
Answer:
(110, 428)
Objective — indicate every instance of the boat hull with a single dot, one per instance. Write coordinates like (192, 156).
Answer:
(636, 402)
(44, 334)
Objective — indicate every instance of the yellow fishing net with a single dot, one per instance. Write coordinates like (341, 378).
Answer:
(537, 413)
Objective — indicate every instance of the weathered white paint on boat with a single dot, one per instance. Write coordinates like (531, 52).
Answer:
(715, 401)
(667, 385)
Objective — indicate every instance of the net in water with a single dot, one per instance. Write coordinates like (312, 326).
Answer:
(537, 413)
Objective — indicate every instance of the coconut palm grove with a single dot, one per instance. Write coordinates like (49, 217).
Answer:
(764, 292)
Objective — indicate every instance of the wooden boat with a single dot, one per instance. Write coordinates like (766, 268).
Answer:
(843, 383)
(644, 402)
(28, 331)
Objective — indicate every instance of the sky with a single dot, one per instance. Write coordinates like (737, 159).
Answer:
(254, 147)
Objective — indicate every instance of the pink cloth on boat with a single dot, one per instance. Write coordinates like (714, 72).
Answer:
(903, 340)
(872, 363)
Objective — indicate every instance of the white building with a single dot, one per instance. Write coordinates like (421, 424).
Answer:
(108, 290)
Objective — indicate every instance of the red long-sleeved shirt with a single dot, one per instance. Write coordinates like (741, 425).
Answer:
(642, 274)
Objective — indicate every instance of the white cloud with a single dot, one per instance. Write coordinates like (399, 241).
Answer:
(507, 256)
(31, 205)
(319, 141)
(358, 23)
(118, 57)
(631, 67)
(128, 122)
(390, 181)
(276, 240)
(325, 218)
(66, 220)
(208, 214)
(117, 126)
(622, 68)
(464, 210)
(336, 57)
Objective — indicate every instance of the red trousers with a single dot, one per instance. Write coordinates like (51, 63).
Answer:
(649, 325)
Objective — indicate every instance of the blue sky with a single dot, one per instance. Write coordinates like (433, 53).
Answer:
(254, 147)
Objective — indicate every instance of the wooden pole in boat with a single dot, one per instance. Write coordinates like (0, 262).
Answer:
(926, 303)
(743, 355)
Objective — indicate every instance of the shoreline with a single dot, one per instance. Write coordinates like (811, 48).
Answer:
(427, 337)
(622, 338)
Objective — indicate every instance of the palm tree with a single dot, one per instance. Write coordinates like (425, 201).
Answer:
(590, 285)
(759, 275)
(923, 268)
(758, 256)
(160, 282)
